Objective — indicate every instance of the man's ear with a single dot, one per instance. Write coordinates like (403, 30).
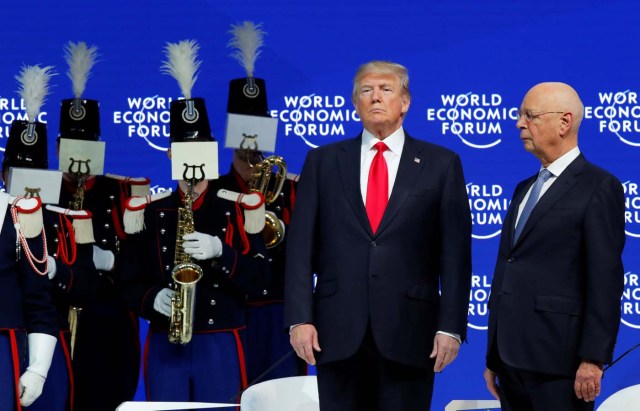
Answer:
(566, 122)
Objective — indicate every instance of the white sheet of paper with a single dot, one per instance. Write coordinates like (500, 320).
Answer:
(201, 158)
(264, 128)
(75, 155)
(160, 405)
(48, 181)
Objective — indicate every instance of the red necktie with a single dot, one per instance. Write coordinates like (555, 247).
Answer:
(377, 187)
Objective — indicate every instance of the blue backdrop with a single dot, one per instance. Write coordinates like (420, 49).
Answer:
(470, 64)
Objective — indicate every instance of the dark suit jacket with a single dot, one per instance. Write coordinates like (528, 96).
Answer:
(392, 278)
(555, 297)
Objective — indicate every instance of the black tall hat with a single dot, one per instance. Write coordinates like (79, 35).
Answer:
(188, 121)
(26, 146)
(27, 142)
(248, 96)
(80, 119)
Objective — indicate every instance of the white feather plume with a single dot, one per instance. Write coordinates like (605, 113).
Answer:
(247, 39)
(80, 59)
(34, 87)
(182, 64)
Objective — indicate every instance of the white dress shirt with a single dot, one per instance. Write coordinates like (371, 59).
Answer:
(556, 168)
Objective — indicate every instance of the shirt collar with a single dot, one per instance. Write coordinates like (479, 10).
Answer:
(394, 141)
(558, 166)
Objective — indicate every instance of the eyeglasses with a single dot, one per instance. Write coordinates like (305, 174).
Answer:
(529, 116)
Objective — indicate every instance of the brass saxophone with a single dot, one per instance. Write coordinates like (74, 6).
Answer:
(185, 274)
(268, 179)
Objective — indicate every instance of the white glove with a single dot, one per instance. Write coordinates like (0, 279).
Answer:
(41, 348)
(103, 259)
(162, 302)
(51, 267)
(202, 246)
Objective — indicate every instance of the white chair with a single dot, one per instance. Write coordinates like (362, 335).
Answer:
(626, 399)
(460, 405)
(282, 394)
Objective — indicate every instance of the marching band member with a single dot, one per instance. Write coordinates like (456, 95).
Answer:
(191, 222)
(106, 349)
(268, 348)
(27, 314)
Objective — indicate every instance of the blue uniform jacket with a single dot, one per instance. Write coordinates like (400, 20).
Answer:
(221, 293)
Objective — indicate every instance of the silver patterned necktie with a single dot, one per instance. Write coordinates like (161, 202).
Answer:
(534, 196)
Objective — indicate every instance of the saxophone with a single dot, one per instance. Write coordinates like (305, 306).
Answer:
(185, 274)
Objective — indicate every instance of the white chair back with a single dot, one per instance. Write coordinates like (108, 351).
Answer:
(282, 394)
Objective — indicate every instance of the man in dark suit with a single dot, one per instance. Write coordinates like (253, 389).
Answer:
(391, 300)
(555, 297)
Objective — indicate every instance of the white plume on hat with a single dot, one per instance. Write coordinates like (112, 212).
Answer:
(80, 59)
(34, 87)
(182, 64)
(247, 39)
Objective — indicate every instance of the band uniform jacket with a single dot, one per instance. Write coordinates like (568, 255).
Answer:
(390, 279)
(107, 349)
(281, 207)
(25, 296)
(77, 283)
(555, 297)
(221, 293)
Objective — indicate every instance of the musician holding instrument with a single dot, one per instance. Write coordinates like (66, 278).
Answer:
(269, 354)
(104, 338)
(195, 341)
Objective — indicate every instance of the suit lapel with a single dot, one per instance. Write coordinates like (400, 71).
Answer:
(559, 188)
(349, 171)
(409, 169)
(518, 197)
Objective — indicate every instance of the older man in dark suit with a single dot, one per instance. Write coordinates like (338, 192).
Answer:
(383, 220)
(555, 297)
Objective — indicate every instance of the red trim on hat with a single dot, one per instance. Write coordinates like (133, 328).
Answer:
(15, 359)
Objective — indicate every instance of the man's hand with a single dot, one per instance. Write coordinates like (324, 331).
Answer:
(445, 350)
(202, 246)
(104, 260)
(30, 385)
(304, 340)
(162, 302)
(588, 378)
(492, 385)
(51, 267)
